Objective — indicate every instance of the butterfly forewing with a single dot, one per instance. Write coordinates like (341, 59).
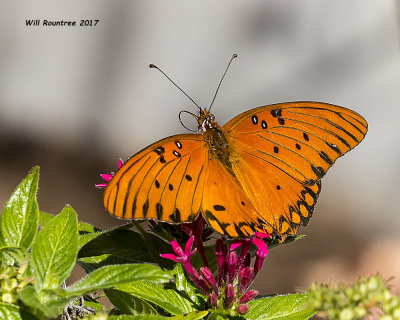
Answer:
(164, 181)
(302, 139)
(283, 151)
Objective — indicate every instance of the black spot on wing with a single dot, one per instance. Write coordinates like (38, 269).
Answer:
(239, 231)
(222, 225)
(276, 113)
(254, 119)
(159, 150)
(159, 210)
(276, 149)
(325, 157)
(334, 147)
(170, 187)
(306, 137)
(264, 124)
(145, 208)
(176, 216)
(176, 153)
(162, 159)
(298, 147)
(281, 121)
(178, 144)
(157, 184)
(218, 207)
(319, 171)
(188, 178)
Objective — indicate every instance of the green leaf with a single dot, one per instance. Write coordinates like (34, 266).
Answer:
(125, 243)
(128, 303)
(20, 218)
(55, 249)
(111, 276)
(46, 301)
(168, 299)
(44, 218)
(86, 238)
(184, 285)
(9, 255)
(275, 243)
(84, 227)
(155, 245)
(288, 307)
(190, 316)
(9, 311)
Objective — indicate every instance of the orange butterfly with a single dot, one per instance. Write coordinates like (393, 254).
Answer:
(261, 171)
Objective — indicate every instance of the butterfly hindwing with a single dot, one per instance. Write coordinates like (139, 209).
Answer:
(225, 206)
(163, 182)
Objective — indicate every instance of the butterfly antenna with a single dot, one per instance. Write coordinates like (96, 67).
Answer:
(153, 66)
(226, 70)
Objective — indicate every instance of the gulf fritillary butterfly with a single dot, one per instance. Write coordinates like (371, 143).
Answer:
(261, 171)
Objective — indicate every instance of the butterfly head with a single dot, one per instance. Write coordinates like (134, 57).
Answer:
(205, 120)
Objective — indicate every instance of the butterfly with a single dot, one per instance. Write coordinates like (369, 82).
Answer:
(261, 171)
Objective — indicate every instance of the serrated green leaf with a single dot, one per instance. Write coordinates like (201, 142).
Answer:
(111, 276)
(168, 299)
(286, 307)
(44, 218)
(46, 301)
(20, 218)
(55, 249)
(9, 255)
(9, 311)
(92, 263)
(129, 304)
(138, 317)
(190, 316)
(86, 238)
(184, 285)
(84, 227)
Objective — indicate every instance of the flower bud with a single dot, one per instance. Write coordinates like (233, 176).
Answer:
(213, 300)
(242, 309)
(232, 261)
(208, 276)
(246, 277)
(230, 296)
(249, 295)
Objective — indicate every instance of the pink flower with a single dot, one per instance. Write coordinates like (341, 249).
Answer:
(108, 176)
(181, 256)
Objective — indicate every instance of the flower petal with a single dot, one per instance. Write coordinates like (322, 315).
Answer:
(106, 176)
(261, 245)
(188, 246)
(120, 163)
(169, 256)
(261, 235)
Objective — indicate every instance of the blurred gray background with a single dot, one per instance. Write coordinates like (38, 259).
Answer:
(75, 99)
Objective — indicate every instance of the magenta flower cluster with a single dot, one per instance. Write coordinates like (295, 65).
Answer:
(229, 287)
